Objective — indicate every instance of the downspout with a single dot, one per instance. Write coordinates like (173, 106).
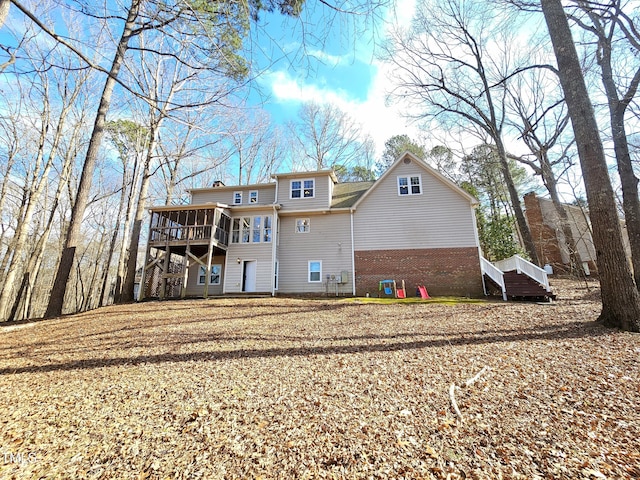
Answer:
(274, 241)
(353, 257)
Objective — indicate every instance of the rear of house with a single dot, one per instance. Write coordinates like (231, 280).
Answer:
(306, 233)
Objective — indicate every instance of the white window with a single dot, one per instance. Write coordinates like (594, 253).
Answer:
(246, 230)
(303, 225)
(251, 229)
(266, 232)
(315, 271)
(257, 229)
(237, 198)
(302, 188)
(215, 275)
(253, 196)
(235, 230)
(410, 185)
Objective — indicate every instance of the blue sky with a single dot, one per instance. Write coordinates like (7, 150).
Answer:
(340, 69)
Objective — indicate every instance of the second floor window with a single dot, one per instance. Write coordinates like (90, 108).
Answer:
(251, 229)
(237, 198)
(253, 196)
(303, 225)
(302, 188)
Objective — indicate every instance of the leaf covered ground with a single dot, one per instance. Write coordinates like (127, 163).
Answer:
(297, 388)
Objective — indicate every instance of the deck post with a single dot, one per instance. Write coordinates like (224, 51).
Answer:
(143, 278)
(165, 269)
(185, 271)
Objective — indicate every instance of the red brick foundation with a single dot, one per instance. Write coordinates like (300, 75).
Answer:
(444, 271)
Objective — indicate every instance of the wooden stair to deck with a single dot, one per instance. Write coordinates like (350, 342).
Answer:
(519, 285)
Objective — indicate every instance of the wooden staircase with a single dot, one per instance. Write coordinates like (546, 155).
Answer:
(517, 279)
(521, 287)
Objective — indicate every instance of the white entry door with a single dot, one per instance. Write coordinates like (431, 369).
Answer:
(249, 276)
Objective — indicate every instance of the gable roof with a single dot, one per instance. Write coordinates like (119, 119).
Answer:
(437, 175)
(346, 194)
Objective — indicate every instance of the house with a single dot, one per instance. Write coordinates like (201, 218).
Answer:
(549, 238)
(306, 233)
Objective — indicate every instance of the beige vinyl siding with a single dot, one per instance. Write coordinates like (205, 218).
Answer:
(266, 194)
(262, 253)
(193, 289)
(438, 218)
(328, 241)
(321, 199)
(579, 228)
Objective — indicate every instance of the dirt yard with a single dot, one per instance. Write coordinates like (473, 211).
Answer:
(292, 388)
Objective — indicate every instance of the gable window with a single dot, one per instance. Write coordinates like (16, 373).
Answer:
(253, 196)
(303, 225)
(215, 275)
(302, 188)
(237, 198)
(410, 185)
(315, 271)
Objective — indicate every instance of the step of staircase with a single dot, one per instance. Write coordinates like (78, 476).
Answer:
(519, 285)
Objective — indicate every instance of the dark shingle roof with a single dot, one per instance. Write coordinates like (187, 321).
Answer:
(346, 194)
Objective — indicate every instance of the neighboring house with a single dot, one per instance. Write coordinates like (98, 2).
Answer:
(306, 233)
(549, 239)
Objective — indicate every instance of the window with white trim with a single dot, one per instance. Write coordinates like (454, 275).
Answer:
(410, 185)
(302, 188)
(253, 196)
(246, 229)
(235, 230)
(315, 271)
(266, 229)
(256, 229)
(215, 275)
(303, 225)
(237, 198)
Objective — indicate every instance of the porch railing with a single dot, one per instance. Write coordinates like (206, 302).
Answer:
(495, 274)
(189, 233)
(521, 265)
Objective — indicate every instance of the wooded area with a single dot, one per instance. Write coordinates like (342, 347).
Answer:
(137, 102)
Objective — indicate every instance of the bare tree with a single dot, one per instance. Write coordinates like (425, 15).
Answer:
(620, 297)
(65, 86)
(252, 139)
(454, 65)
(328, 137)
(617, 34)
(542, 121)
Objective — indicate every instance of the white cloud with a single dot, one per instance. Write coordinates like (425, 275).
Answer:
(377, 119)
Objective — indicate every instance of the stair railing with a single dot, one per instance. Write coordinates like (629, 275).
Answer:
(495, 274)
(521, 265)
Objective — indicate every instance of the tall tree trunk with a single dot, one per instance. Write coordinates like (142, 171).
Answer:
(620, 297)
(628, 180)
(132, 259)
(56, 299)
